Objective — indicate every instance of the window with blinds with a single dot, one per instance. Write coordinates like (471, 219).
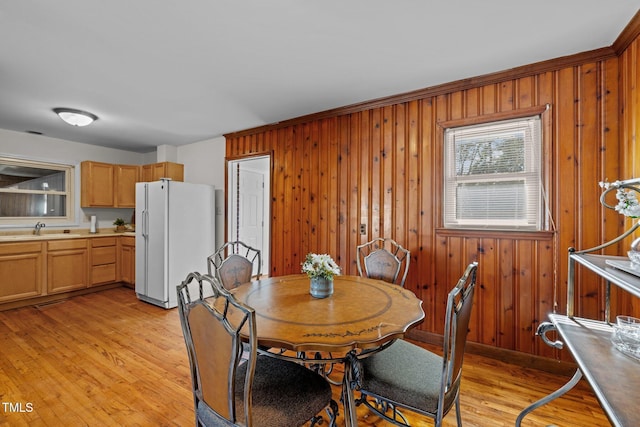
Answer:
(32, 190)
(492, 175)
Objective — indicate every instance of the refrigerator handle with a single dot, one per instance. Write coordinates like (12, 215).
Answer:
(145, 230)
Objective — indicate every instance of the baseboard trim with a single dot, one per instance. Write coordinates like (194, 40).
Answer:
(49, 299)
(553, 366)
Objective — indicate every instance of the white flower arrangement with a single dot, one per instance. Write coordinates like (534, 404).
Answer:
(628, 204)
(320, 265)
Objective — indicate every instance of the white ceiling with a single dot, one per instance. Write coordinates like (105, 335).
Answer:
(178, 72)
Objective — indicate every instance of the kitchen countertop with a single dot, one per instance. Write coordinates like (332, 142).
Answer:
(60, 234)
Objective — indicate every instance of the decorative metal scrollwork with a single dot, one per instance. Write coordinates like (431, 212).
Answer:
(545, 327)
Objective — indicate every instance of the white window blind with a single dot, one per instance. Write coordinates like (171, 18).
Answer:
(492, 175)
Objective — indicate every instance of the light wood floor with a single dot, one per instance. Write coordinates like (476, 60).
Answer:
(108, 359)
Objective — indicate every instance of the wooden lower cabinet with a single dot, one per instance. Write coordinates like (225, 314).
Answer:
(48, 270)
(128, 260)
(67, 265)
(103, 260)
(20, 271)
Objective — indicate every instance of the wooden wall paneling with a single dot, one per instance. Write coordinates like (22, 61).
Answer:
(545, 95)
(413, 200)
(472, 102)
(375, 175)
(388, 176)
(629, 154)
(314, 187)
(545, 272)
(291, 206)
(245, 145)
(402, 158)
(325, 192)
(587, 130)
(392, 183)
(633, 113)
(565, 169)
(525, 296)
(612, 223)
(628, 162)
(478, 328)
(456, 107)
(506, 96)
(447, 272)
(303, 179)
(427, 191)
(630, 109)
(506, 285)
(365, 163)
(355, 166)
(302, 225)
(488, 290)
(332, 197)
(279, 183)
(256, 143)
(342, 257)
(526, 92)
(488, 99)
(634, 116)
(388, 183)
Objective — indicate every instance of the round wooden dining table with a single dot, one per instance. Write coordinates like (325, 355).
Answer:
(361, 315)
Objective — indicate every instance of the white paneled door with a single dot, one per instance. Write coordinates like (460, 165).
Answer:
(248, 196)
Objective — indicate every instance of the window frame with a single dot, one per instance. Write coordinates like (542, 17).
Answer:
(69, 192)
(541, 210)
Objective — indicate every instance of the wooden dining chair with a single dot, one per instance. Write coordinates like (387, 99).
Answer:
(383, 259)
(235, 263)
(406, 376)
(235, 389)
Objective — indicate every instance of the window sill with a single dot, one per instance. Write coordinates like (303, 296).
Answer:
(514, 235)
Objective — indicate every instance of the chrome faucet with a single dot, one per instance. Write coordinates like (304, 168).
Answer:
(39, 225)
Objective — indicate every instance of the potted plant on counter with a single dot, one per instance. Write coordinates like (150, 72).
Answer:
(120, 224)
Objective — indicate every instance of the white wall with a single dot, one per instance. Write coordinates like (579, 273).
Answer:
(39, 147)
(203, 163)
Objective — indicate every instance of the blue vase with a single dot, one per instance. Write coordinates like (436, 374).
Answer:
(321, 287)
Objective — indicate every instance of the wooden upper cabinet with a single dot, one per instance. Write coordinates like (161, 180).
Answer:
(155, 171)
(97, 182)
(105, 185)
(126, 177)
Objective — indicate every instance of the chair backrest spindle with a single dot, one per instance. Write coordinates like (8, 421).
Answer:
(383, 259)
(235, 263)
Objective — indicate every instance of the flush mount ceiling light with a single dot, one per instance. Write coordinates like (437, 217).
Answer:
(75, 117)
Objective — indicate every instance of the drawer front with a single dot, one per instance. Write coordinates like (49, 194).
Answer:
(103, 274)
(100, 256)
(128, 241)
(20, 248)
(99, 242)
(57, 245)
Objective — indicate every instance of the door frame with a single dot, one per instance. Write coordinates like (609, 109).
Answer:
(250, 162)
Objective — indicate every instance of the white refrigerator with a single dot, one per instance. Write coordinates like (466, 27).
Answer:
(175, 233)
